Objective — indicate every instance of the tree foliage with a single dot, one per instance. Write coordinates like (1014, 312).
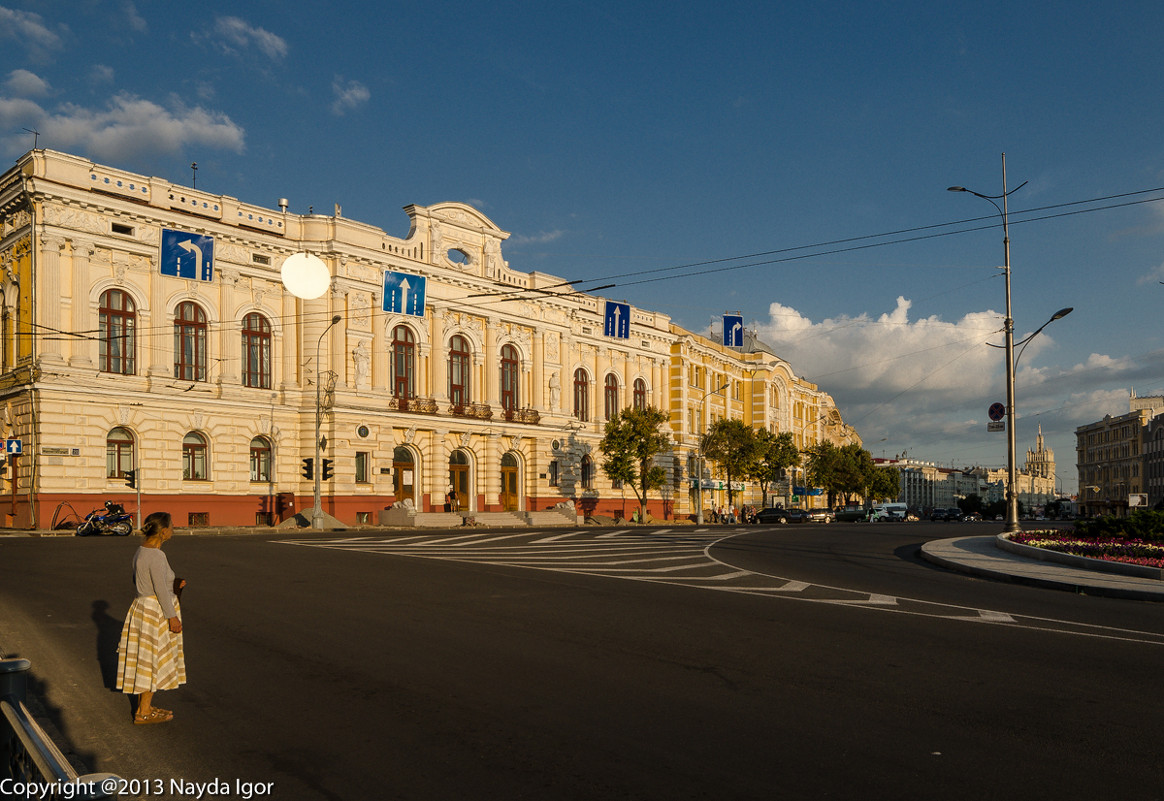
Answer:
(774, 453)
(631, 441)
(731, 444)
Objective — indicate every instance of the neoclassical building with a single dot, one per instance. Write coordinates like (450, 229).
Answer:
(146, 331)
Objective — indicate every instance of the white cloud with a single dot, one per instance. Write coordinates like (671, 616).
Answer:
(924, 385)
(26, 84)
(234, 34)
(1153, 276)
(541, 238)
(127, 127)
(101, 74)
(132, 18)
(30, 30)
(348, 96)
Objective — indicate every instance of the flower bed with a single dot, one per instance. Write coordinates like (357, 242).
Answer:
(1113, 549)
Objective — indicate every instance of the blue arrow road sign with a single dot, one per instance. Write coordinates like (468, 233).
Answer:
(733, 331)
(617, 323)
(13, 446)
(404, 293)
(187, 255)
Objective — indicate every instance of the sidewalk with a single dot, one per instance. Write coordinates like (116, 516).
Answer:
(980, 556)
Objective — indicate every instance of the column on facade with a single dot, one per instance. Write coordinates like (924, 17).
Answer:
(49, 279)
(534, 380)
(440, 366)
(230, 334)
(597, 382)
(378, 366)
(156, 331)
(436, 482)
(289, 347)
(81, 354)
(492, 356)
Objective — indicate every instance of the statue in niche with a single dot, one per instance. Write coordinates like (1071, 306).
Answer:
(555, 390)
(363, 360)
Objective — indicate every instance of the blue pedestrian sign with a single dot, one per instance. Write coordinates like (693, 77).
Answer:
(617, 323)
(404, 293)
(13, 446)
(187, 255)
(733, 331)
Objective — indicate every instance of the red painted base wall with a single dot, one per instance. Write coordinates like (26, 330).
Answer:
(251, 510)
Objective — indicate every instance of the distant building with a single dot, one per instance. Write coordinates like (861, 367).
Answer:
(1034, 481)
(1109, 455)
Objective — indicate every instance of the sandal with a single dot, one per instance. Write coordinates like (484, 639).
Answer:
(153, 716)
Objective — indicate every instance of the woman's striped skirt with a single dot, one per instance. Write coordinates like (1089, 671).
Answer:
(150, 656)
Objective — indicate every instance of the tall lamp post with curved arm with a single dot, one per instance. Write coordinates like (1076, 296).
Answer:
(317, 512)
(1012, 522)
(699, 478)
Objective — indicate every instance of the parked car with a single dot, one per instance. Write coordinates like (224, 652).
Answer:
(778, 514)
(951, 515)
(850, 514)
(821, 515)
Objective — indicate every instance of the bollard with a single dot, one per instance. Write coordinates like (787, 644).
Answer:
(14, 678)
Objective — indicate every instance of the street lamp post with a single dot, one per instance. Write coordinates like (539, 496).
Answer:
(699, 478)
(1012, 523)
(317, 512)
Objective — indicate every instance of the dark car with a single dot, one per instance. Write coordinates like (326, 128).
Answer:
(778, 514)
(952, 515)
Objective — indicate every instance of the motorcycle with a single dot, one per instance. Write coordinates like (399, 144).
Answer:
(113, 520)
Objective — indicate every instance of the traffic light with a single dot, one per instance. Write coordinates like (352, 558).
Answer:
(309, 468)
(326, 474)
(130, 477)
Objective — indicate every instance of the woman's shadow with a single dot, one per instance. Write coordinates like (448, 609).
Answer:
(108, 639)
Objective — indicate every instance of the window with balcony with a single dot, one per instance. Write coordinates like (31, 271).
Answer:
(510, 374)
(403, 362)
(460, 360)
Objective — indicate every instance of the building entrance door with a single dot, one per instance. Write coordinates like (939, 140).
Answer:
(459, 479)
(509, 482)
(403, 476)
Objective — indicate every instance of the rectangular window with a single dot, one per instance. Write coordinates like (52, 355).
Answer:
(125, 230)
(362, 467)
(554, 473)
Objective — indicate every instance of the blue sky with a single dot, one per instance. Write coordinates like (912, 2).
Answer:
(616, 138)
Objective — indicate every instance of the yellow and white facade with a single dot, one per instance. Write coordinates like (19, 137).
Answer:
(145, 328)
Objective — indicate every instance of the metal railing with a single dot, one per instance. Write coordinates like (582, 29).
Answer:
(31, 764)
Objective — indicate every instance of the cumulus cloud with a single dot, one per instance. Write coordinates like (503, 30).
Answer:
(30, 30)
(26, 84)
(348, 96)
(237, 35)
(924, 385)
(128, 126)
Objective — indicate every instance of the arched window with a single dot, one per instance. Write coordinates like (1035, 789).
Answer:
(459, 361)
(194, 457)
(640, 395)
(610, 395)
(256, 348)
(581, 395)
(403, 362)
(190, 342)
(260, 459)
(118, 452)
(587, 473)
(510, 372)
(117, 318)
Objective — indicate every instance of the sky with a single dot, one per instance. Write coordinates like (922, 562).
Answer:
(786, 161)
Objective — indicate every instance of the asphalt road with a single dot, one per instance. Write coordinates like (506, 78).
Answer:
(794, 662)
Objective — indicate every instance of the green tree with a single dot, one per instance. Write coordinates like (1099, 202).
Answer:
(731, 444)
(885, 483)
(774, 454)
(824, 467)
(630, 443)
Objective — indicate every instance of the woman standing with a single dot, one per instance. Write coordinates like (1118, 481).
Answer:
(150, 657)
